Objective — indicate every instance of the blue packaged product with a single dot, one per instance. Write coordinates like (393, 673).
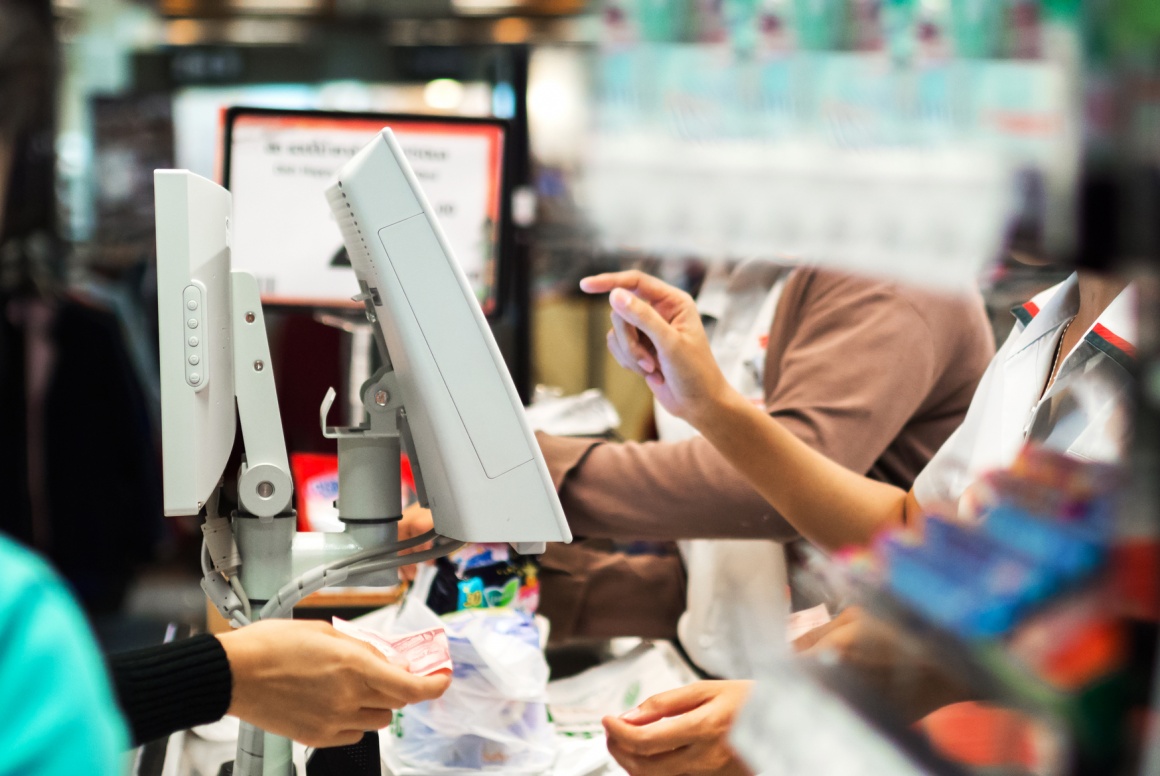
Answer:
(948, 595)
(914, 580)
(1004, 571)
(1071, 549)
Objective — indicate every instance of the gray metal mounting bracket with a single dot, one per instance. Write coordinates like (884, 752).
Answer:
(265, 487)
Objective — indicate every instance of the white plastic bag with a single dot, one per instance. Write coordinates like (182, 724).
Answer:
(494, 716)
(579, 702)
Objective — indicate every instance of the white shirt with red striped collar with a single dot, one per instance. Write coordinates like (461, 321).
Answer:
(1086, 412)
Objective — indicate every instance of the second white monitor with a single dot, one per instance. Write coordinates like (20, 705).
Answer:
(482, 469)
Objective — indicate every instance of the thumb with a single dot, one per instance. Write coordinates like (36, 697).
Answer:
(642, 315)
(666, 704)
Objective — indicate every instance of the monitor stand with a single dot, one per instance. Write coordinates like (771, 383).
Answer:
(360, 355)
(280, 566)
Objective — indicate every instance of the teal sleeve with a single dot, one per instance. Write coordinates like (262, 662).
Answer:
(59, 717)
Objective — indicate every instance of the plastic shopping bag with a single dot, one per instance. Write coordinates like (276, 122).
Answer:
(494, 716)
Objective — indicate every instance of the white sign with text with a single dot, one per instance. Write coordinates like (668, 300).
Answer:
(283, 231)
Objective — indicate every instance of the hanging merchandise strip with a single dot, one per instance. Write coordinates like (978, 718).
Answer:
(894, 138)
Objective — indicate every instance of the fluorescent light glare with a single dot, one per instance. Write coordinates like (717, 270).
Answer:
(443, 94)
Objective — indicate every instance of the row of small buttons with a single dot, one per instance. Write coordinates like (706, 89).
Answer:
(195, 370)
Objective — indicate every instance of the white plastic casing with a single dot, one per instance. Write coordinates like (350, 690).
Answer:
(198, 417)
(485, 478)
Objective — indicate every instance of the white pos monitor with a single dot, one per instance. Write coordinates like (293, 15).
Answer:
(482, 472)
(477, 464)
(198, 415)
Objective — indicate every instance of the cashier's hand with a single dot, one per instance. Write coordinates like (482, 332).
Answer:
(680, 732)
(657, 333)
(839, 636)
(306, 681)
(860, 641)
(898, 668)
(416, 522)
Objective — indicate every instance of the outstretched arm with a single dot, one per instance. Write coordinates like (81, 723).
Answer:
(657, 333)
(307, 681)
(299, 679)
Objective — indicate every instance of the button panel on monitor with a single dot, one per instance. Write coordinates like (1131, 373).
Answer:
(195, 364)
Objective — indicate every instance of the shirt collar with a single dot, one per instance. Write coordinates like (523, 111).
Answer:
(1046, 311)
(713, 302)
(720, 286)
(713, 298)
(1114, 332)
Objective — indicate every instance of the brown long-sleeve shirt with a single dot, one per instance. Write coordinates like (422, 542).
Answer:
(874, 375)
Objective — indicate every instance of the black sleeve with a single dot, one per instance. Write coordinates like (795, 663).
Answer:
(172, 687)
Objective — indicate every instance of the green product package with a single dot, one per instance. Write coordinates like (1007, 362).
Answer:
(820, 24)
(899, 22)
(977, 27)
(663, 21)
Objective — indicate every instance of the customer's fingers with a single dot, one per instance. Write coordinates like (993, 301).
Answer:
(647, 287)
(370, 719)
(669, 764)
(619, 355)
(630, 340)
(400, 688)
(643, 316)
(338, 738)
(673, 703)
(656, 737)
